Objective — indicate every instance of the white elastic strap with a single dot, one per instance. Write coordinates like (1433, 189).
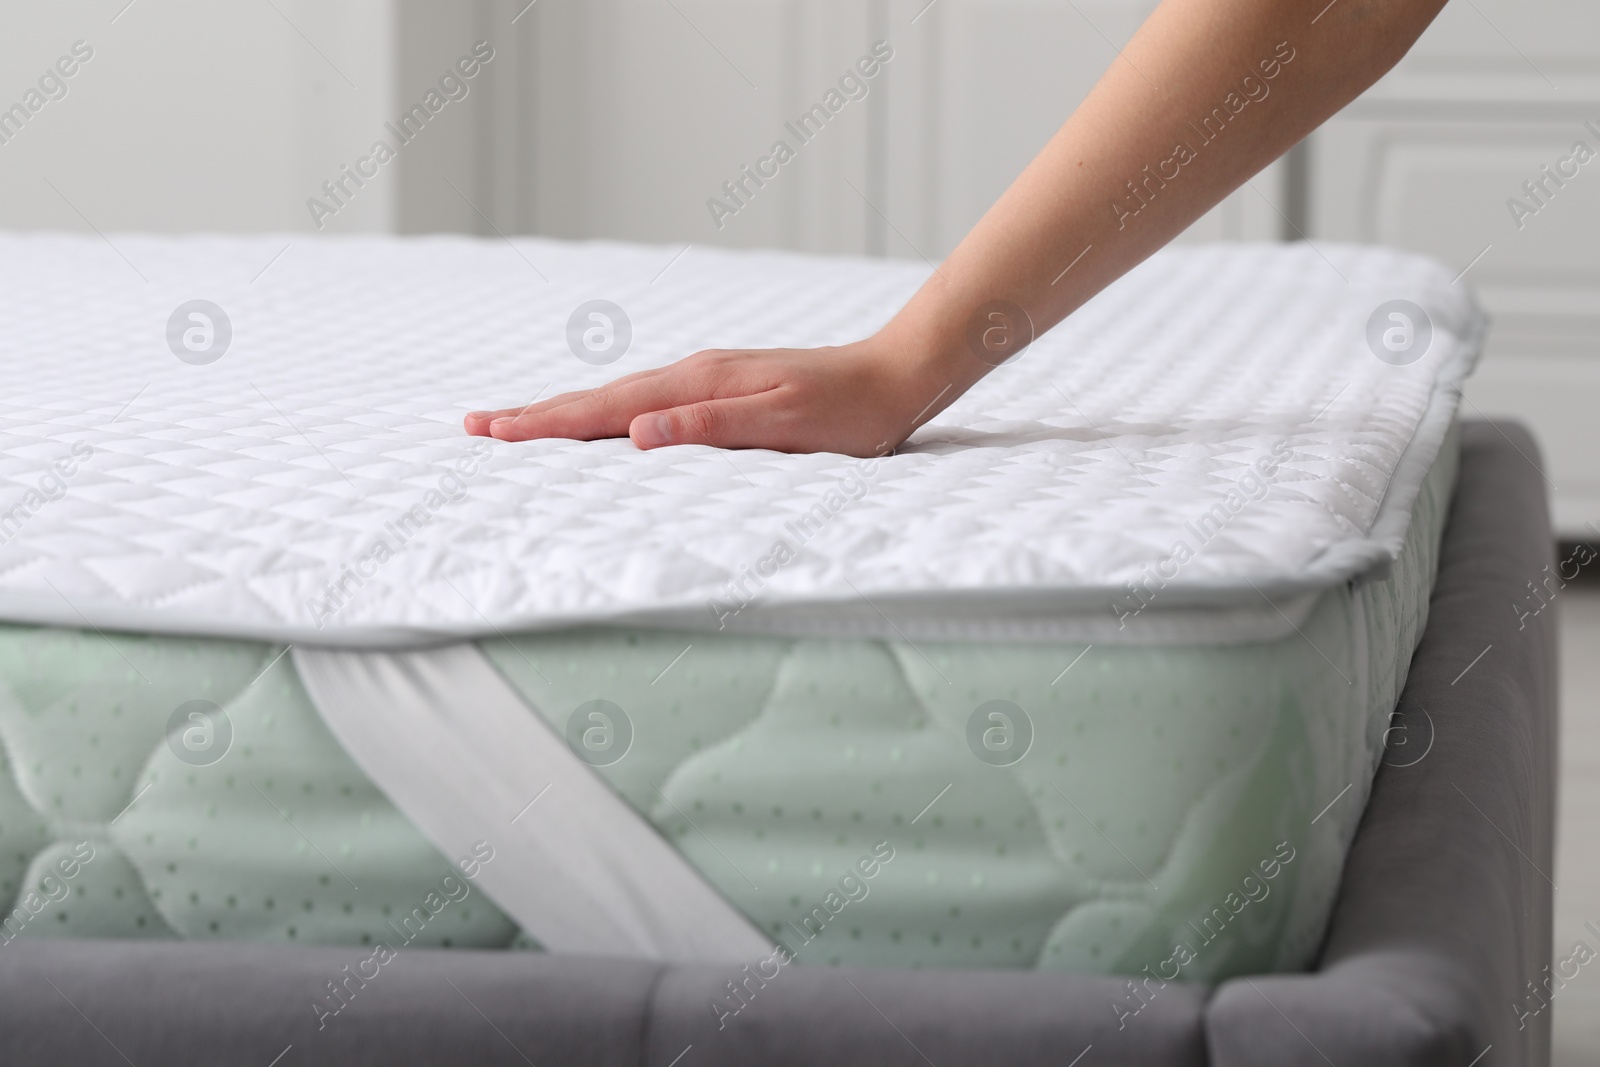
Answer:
(460, 753)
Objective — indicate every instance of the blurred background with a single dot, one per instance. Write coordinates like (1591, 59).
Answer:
(623, 118)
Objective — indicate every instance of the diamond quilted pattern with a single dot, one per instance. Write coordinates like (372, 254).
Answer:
(235, 497)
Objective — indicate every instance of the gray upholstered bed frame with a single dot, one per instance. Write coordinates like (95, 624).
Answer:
(1443, 916)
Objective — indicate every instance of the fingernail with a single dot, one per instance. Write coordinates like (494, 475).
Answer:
(477, 414)
(654, 431)
(499, 426)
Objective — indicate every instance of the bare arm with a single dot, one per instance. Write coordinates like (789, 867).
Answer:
(1206, 94)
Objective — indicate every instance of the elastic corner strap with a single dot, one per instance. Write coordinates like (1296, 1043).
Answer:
(460, 753)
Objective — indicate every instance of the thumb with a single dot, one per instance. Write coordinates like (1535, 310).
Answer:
(737, 422)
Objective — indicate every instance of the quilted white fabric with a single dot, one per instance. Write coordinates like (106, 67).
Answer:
(313, 483)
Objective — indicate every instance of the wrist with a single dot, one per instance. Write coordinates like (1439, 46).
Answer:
(920, 371)
(942, 347)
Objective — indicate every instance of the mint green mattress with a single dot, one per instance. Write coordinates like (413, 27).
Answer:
(1185, 806)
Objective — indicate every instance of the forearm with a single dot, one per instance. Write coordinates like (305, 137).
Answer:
(1205, 95)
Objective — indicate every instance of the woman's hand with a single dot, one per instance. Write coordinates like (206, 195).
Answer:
(860, 399)
(1129, 171)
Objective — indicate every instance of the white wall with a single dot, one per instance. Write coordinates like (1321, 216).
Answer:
(195, 114)
(597, 118)
(630, 114)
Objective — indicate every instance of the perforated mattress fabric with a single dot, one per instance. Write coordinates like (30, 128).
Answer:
(1130, 802)
(289, 465)
(1153, 787)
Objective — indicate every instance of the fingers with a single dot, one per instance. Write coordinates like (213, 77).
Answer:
(597, 413)
(737, 422)
(478, 423)
(688, 402)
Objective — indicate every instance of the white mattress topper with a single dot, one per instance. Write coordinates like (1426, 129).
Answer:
(314, 485)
